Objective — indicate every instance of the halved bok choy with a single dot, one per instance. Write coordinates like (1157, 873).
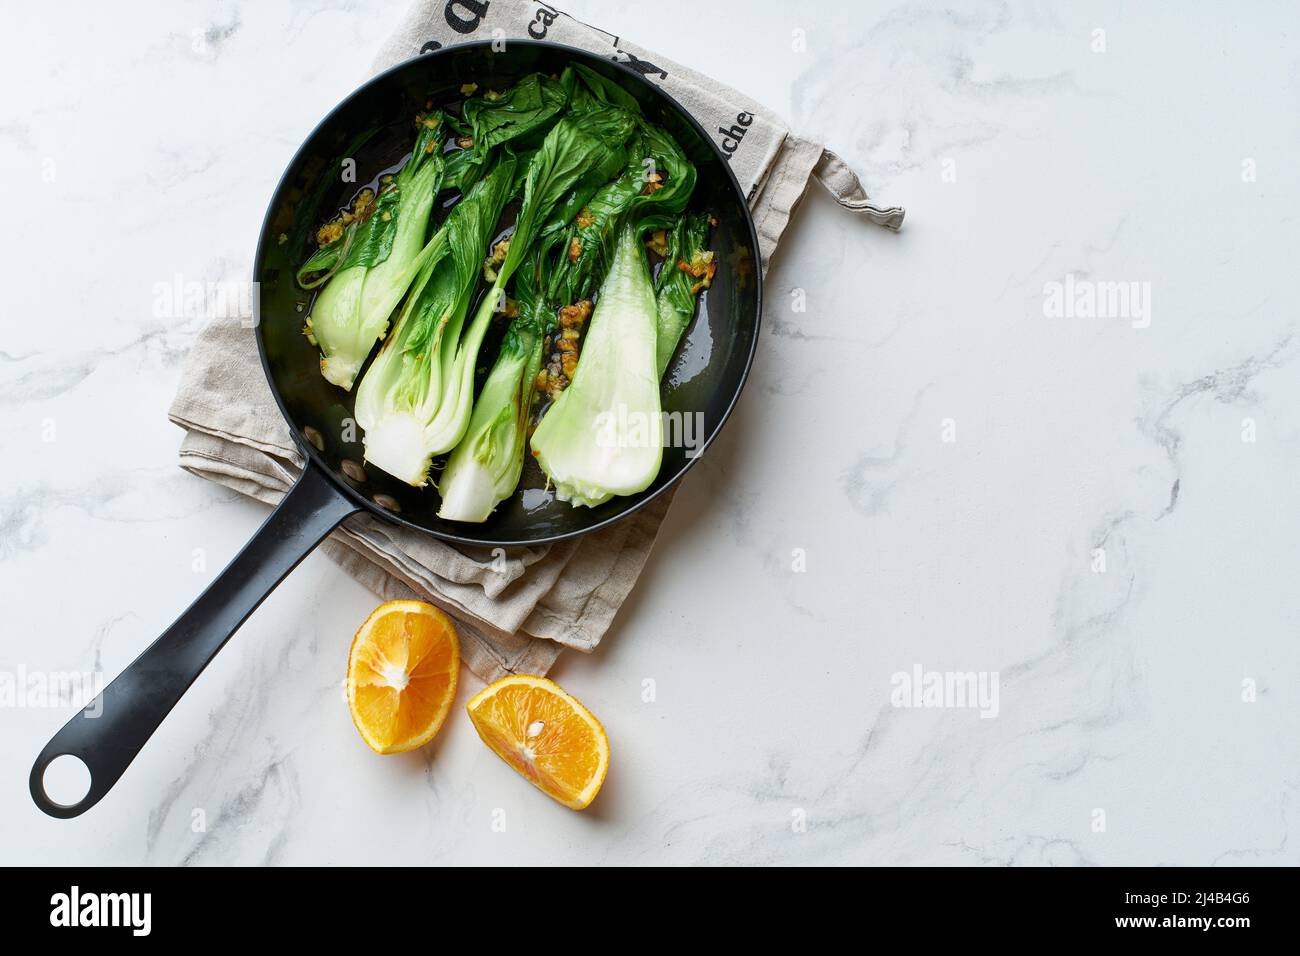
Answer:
(604, 435)
(367, 262)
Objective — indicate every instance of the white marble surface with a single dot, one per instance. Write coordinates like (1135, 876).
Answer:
(1022, 155)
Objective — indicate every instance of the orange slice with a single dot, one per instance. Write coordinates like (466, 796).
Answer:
(547, 735)
(402, 672)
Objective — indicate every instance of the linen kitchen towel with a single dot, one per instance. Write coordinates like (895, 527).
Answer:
(517, 608)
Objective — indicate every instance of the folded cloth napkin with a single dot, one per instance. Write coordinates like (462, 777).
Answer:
(517, 608)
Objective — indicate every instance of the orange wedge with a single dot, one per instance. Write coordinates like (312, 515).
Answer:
(402, 672)
(546, 735)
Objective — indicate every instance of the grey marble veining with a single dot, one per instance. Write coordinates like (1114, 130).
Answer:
(931, 471)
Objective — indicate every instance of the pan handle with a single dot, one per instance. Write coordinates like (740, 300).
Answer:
(109, 733)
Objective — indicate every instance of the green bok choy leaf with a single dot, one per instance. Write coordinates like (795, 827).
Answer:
(588, 90)
(520, 116)
(524, 109)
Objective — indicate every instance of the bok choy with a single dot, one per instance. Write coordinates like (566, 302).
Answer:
(574, 160)
(556, 181)
(402, 392)
(485, 467)
(368, 261)
(688, 267)
(520, 116)
(604, 435)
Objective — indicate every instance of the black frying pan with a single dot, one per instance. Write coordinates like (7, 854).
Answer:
(706, 377)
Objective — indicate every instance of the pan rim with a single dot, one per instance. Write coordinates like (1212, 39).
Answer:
(314, 457)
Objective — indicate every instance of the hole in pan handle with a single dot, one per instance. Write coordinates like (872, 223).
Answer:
(113, 728)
